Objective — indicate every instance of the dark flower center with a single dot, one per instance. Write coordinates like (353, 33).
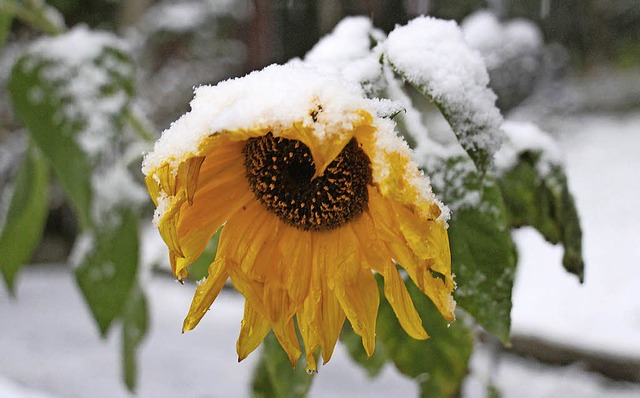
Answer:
(280, 172)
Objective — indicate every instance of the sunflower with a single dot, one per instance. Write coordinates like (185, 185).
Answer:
(315, 195)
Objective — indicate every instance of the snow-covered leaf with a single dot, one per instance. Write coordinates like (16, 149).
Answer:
(107, 269)
(275, 377)
(544, 202)
(438, 364)
(483, 254)
(348, 50)
(135, 323)
(72, 92)
(26, 215)
(432, 55)
(534, 186)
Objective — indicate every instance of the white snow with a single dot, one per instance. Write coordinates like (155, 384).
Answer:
(348, 51)
(433, 55)
(349, 40)
(77, 46)
(115, 186)
(274, 98)
(522, 137)
(499, 42)
(603, 314)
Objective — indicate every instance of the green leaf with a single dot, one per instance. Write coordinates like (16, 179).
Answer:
(372, 365)
(107, 273)
(275, 377)
(5, 26)
(483, 254)
(26, 216)
(439, 364)
(74, 105)
(39, 116)
(544, 202)
(474, 119)
(135, 324)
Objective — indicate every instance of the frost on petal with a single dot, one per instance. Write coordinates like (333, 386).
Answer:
(432, 55)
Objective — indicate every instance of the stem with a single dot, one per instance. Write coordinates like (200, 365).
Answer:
(34, 13)
(139, 127)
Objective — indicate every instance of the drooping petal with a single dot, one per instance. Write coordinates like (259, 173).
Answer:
(356, 288)
(221, 191)
(426, 238)
(253, 329)
(330, 315)
(244, 237)
(394, 288)
(294, 248)
(309, 324)
(438, 290)
(206, 293)
(288, 339)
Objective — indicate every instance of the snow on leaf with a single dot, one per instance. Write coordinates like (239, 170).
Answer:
(534, 186)
(349, 51)
(431, 55)
(73, 92)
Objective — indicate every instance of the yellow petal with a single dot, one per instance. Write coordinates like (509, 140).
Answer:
(286, 335)
(427, 238)
(386, 223)
(212, 205)
(394, 288)
(169, 230)
(193, 171)
(310, 328)
(331, 315)
(206, 293)
(294, 247)
(253, 330)
(356, 288)
(245, 235)
(153, 186)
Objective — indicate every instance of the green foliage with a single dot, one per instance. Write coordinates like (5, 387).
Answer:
(76, 108)
(373, 364)
(135, 324)
(5, 26)
(107, 273)
(36, 102)
(274, 376)
(438, 364)
(483, 254)
(544, 202)
(26, 215)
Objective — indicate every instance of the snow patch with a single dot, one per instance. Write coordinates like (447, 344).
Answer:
(524, 137)
(432, 54)
(274, 98)
(498, 42)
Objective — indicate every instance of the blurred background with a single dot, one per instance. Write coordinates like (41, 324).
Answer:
(572, 67)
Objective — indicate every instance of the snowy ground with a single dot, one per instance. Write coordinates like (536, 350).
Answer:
(49, 346)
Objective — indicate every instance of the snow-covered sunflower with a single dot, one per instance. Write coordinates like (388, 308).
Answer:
(315, 193)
